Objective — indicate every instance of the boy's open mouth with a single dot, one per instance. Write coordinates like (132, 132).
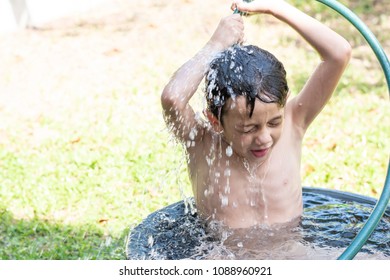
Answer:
(260, 153)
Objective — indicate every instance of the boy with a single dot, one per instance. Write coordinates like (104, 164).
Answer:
(244, 164)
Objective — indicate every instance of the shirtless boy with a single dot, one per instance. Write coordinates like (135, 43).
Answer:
(244, 162)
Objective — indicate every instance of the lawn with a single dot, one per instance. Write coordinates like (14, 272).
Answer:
(84, 151)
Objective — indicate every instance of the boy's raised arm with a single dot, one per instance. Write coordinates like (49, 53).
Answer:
(333, 49)
(176, 95)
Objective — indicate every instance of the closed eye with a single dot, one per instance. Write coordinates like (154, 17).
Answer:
(275, 122)
(250, 130)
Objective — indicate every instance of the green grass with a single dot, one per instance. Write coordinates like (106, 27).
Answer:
(77, 176)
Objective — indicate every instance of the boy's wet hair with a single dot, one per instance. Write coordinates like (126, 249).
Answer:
(245, 71)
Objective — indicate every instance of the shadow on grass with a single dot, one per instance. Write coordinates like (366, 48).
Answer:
(43, 240)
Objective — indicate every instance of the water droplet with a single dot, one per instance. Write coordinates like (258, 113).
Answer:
(224, 200)
(229, 151)
(150, 240)
(198, 116)
(225, 235)
(192, 134)
(227, 172)
(209, 161)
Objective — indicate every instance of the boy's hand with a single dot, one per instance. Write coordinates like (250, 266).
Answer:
(257, 6)
(230, 31)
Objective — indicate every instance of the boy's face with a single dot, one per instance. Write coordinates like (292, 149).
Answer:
(252, 138)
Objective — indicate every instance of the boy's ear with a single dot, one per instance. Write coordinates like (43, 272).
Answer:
(215, 123)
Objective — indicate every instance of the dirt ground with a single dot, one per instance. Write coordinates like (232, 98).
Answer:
(109, 49)
(89, 45)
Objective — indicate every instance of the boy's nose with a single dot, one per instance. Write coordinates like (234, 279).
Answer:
(263, 137)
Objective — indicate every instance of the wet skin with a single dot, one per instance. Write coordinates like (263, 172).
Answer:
(257, 183)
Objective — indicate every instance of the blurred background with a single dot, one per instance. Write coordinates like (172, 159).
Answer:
(84, 151)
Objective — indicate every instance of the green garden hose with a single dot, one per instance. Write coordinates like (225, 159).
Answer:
(380, 207)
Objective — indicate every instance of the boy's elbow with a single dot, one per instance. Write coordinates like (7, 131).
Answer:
(344, 52)
(169, 99)
(166, 100)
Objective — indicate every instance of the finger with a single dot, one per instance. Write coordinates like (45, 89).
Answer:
(243, 37)
(240, 24)
(241, 40)
(236, 17)
(239, 34)
(234, 5)
(243, 6)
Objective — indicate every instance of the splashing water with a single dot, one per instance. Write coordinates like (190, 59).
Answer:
(229, 151)
(150, 241)
(327, 227)
(260, 187)
(224, 200)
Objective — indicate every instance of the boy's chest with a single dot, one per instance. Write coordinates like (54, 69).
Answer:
(272, 194)
(275, 178)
